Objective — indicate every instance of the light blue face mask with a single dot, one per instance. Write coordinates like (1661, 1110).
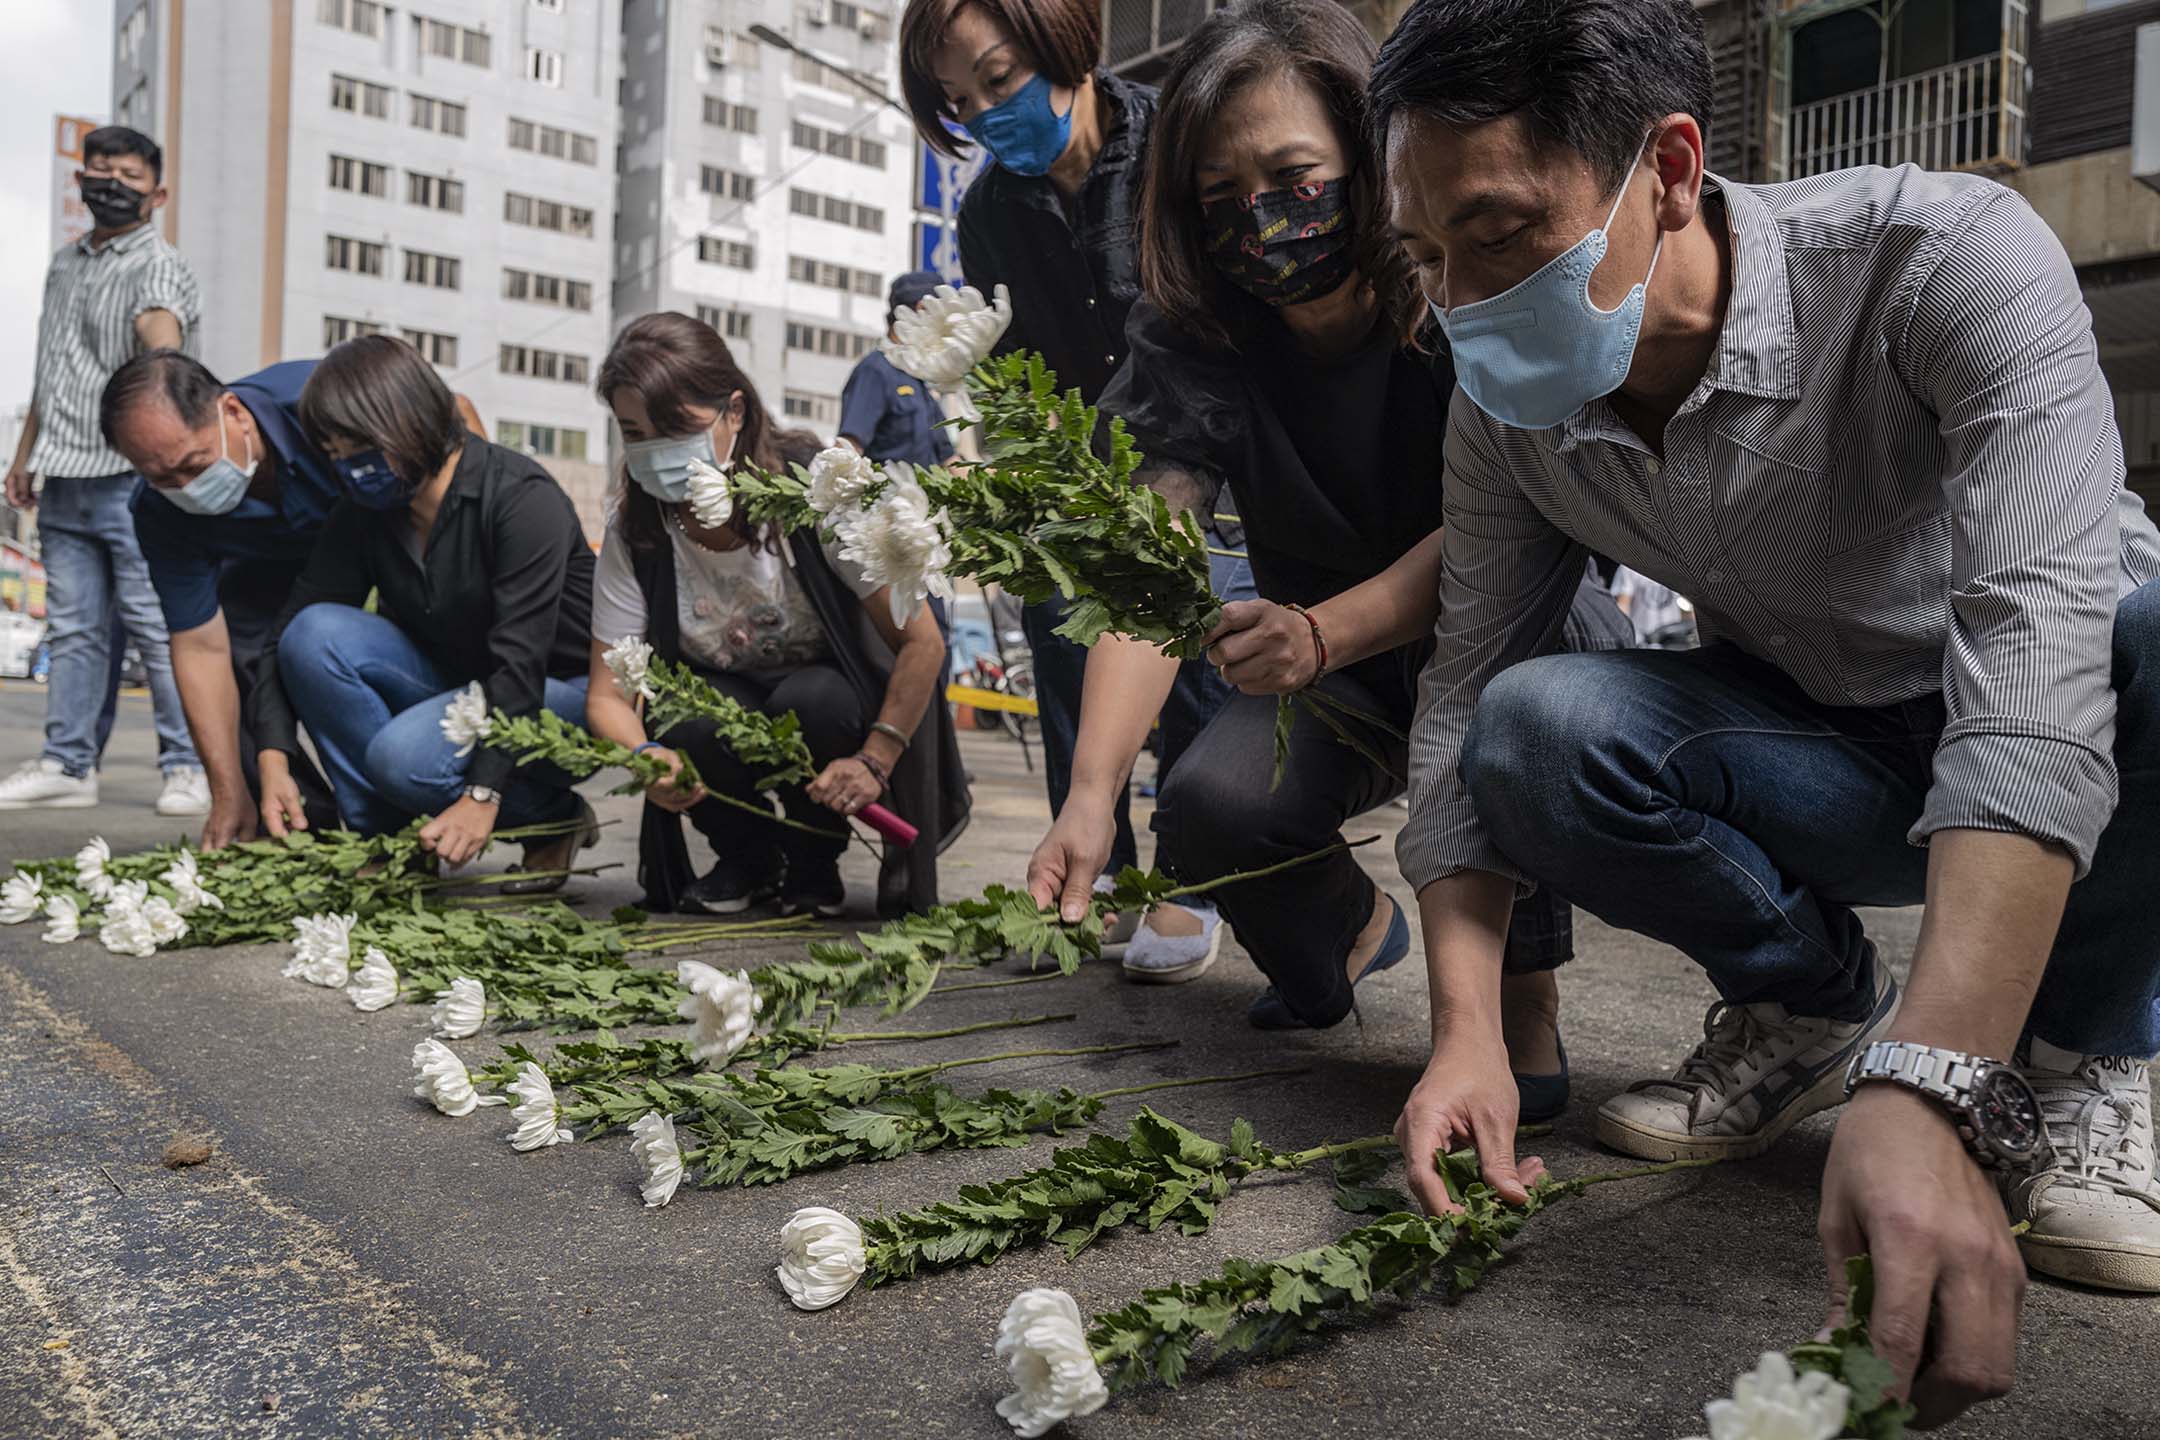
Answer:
(661, 467)
(1537, 352)
(222, 484)
(1022, 131)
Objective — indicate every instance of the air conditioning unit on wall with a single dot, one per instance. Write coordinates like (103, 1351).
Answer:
(2145, 108)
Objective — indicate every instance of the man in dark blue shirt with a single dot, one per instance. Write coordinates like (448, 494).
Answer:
(889, 415)
(235, 497)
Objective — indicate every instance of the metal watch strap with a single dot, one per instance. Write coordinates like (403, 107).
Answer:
(483, 795)
(1948, 1076)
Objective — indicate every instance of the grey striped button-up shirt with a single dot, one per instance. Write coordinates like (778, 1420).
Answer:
(1900, 474)
(93, 295)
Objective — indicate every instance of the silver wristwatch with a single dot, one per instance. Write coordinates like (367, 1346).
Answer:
(1996, 1111)
(481, 794)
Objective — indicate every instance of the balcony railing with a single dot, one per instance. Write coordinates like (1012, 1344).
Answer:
(1970, 115)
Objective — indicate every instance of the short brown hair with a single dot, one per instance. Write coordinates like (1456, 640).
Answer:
(1062, 37)
(379, 393)
(1322, 44)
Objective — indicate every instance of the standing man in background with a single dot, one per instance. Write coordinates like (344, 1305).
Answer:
(887, 414)
(117, 291)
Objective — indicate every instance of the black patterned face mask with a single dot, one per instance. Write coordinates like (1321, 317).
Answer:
(1283, 247)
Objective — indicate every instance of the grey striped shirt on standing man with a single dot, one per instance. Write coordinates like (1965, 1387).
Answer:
(93, 296)
(1900, 474)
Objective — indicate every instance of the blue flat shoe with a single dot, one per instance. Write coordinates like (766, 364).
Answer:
(1268, 1012)
(1542, 1097)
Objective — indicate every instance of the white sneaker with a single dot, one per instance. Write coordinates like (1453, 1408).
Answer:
(1119, 932)
(1758, 1072)
(2094, 1207)
(186, 792)
(1159, 959)
(43, 782)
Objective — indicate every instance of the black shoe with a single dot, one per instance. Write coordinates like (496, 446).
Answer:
(729, 888)
(814, 887)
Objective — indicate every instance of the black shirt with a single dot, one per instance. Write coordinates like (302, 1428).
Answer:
(504, 595)
(1072, 280)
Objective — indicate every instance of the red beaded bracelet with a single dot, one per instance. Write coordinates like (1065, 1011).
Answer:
(1319, 642)
(877, 772)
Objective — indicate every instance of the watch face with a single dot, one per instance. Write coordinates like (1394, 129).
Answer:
(2006, 1112)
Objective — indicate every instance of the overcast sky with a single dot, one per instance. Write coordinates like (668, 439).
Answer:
(55, 59)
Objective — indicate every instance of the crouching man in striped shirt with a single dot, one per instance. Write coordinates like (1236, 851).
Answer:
(116, 292)
(1859, 421)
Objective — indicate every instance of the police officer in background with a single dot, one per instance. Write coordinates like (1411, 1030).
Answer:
(889, 415)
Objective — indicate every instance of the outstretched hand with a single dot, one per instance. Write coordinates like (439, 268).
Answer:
(1466, 1097)
(1263, 648)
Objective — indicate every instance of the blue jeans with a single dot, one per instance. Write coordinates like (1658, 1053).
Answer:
(94, 571)
(1700, 798)
(373, 704)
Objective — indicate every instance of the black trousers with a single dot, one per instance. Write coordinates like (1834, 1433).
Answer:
(833, 725)
(248, 619)
(1219, 813)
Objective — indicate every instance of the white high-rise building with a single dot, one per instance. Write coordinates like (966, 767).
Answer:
(442, 170)
(766, 191)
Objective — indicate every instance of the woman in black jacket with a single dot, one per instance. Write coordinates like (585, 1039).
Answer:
(483, 590)
(781, 624)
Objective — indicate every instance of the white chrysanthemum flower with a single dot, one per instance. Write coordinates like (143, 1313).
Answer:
(535, 1111)
(22, 897)
(127, 896)
(461, 1009)
(377, 983)
(64, 919)
(167, 926)
(821, 1257)
(722, 1010)
(125, 931)
(712, 504)
(948, 333)
(186, 881)
(322, 950)
(90, 862)
(628, 659)
(897, 541)
(441, 1079)
(1044, 1343)
(465, 720)
(659, 1157)
(1772, 1402)
(839, 478)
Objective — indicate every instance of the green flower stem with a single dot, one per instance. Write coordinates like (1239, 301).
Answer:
(452, 881)
(1584, 1182)
(919, 1072)
(1203, 1080)
(856, 1037)
(998, 984)
(1261, 874)
(1301, 1159)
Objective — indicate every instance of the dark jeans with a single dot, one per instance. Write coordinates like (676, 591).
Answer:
(1220, 816)
(249, 616)
(1699, 798)
(833, 725)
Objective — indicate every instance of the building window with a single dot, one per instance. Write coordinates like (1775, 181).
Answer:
(742, 119)
(548, 215)
(359, 176)
(435, 349)
(715, 251)
(360, 97)
(362, 17)
(802, 405)
(824, 340)
(132, 34)
(361, 257)
(435, 192)
(555, 440)
(834, 277)
(730, 183)
(544, 66)
(553, 7)
(538, 139)
(735, 324)
(336, 329)
(859, 148)
(545, 364)
(439, 271)
(547, 289)
(812, 71)
(134, 109)
(454, 42)
(836, 210)
(442, 116)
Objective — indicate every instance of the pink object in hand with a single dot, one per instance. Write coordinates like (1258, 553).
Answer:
(889, 825)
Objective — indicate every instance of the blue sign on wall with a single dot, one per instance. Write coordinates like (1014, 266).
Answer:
(937, 247)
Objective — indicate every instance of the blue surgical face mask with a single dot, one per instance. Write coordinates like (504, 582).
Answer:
(1022, 131)
(222, 484)
(1536, 353)
(661, 467)
(371, 483)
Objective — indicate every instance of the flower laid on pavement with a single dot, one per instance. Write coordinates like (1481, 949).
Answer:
(535, 1111)
(185, 877)
(839, 478)
(127, 895)
(948, 333)
(322, 949)
(1774, 1402)
(22, 897)
(821, 1257)
(125, 931)
(465, 721)
(659, 1158)
(376, 984)
(440, 1078)
(627, 659)
(90, 862)
(722, 1010)
(711, 503)
(167, 927)
(63, 919)
(460, 1010)
(1045, 1347)
(897, 541)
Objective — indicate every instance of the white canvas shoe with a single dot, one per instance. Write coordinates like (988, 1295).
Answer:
(1159, 959)
(186, 792)
(2094, 1207)
(1758, 1072)
(43, 783)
